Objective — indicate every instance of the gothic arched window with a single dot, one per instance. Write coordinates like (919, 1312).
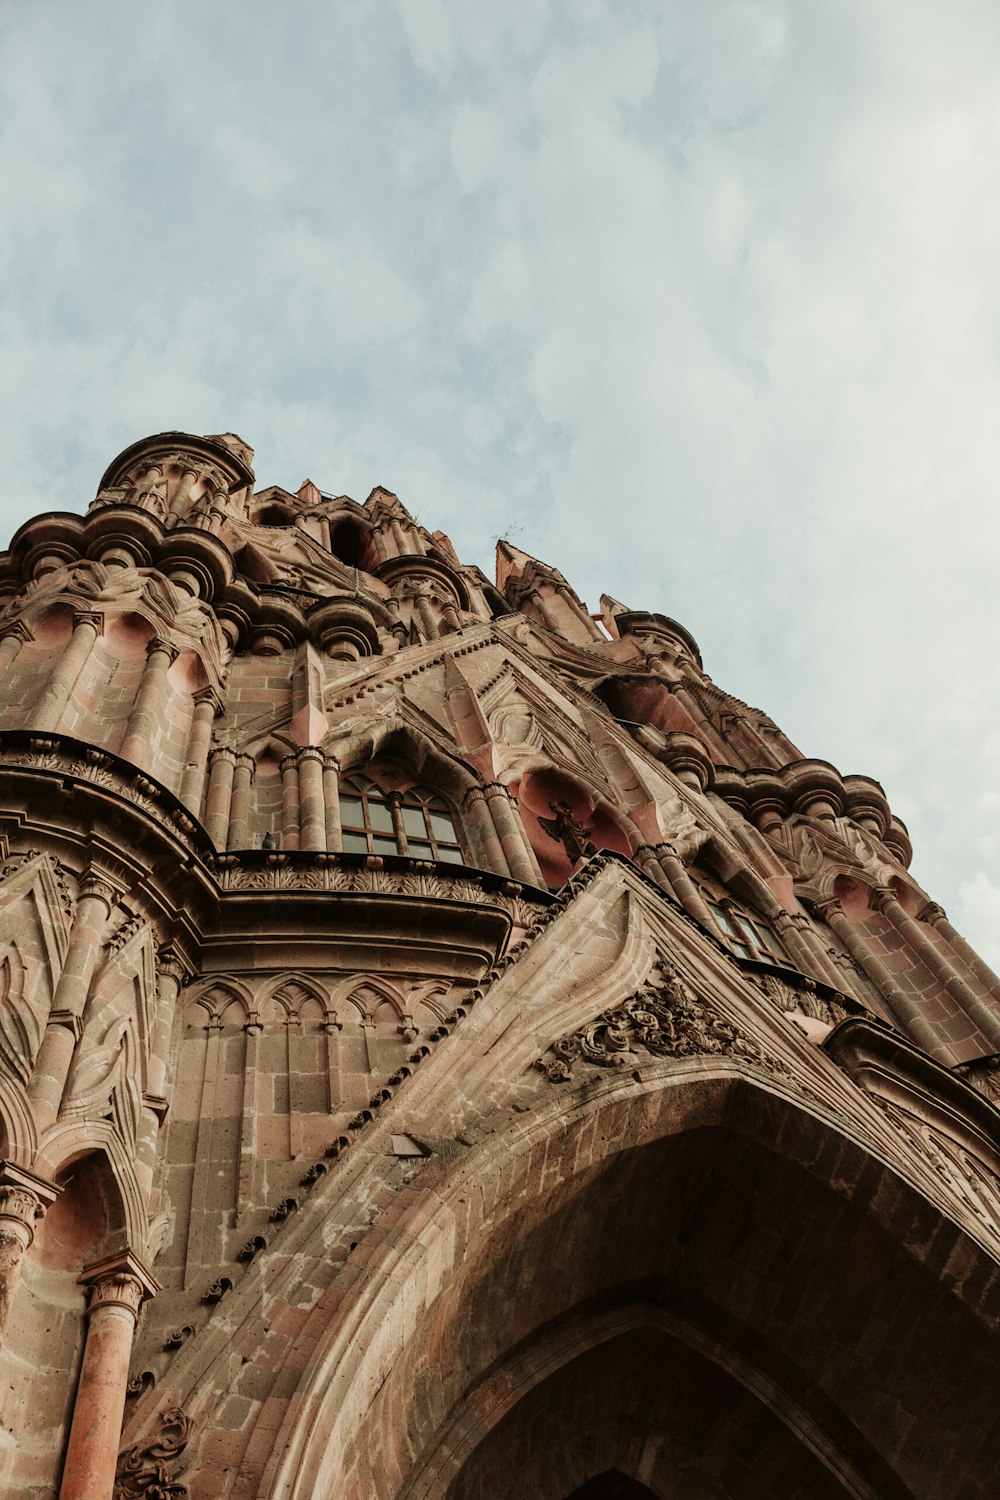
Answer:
(748, 934)
(387, 820)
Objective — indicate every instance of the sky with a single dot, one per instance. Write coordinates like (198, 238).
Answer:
(696, 299)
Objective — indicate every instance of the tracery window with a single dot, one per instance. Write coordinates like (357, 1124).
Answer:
(377, 819)
(748, 934)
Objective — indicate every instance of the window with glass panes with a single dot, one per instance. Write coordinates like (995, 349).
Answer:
(748, 935)
(416, 822)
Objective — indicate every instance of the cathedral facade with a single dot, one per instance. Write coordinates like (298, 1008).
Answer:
(450, 1049)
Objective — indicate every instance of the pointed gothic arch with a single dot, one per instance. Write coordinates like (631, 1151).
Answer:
(411, 747)
(678, 1172)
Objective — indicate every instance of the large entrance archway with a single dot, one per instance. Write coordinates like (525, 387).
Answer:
(688, 1279)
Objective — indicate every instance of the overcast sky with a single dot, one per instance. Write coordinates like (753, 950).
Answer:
(699, 301)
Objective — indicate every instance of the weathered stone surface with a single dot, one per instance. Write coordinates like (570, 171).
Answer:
(449, 1047)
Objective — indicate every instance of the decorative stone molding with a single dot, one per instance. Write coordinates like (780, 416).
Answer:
(964, 1177)
(24, 1197)
(806, 998)
(71, 759)
(147, 1470)
(665, 1019)
(984, 1076)
(328, 872)
(119, 1280)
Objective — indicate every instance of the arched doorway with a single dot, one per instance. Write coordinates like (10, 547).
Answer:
(687, 1277)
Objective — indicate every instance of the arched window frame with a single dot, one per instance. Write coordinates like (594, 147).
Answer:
(404, 818)
(748, 934)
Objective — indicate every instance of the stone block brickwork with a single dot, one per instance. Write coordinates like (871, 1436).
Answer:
(449, 1046)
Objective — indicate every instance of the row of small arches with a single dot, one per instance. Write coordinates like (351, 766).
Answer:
(366, 1000)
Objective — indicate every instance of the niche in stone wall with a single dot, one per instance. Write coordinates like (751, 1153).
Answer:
(352, 544)
(561, 817)
(46, 1333)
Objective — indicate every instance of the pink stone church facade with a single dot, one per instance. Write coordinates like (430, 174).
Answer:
(450, 1049)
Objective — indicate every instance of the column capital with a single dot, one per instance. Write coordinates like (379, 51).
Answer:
(310, 752)
(170, 965)
(223, 752)
(932, 913)
(100, 886)
(18, 630)
(209, 695)
(824, 907)
(159, 643)
(119, 1280)
(493, 789)
(24, 1197)
(882, 896)
(92, 617)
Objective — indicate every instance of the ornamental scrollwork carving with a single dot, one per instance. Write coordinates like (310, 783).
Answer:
(147, 1471)
(664, 1019)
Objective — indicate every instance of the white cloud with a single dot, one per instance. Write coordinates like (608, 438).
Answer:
(700, 301)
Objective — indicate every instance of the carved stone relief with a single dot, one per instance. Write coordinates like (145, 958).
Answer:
(147, 1471)
(665, 1019)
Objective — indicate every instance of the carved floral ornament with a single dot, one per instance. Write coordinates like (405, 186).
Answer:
(147, 1471)
(664, 1019)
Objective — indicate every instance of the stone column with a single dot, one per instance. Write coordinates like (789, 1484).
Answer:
(450, 615)
(518, 852)
(137, 744)
(222, 768)
(687, 892)
(206, 707)
(566, 593)
(51, 705)
(238, 836)
(183, 490)
(312, 809)
(117, 1288)
(24, 1197)
(10, 646)
(482, 833)
(920, 942)
(541, 605)
(428, 618)
(804, 946)
(936, 918)
(331, 800)
(65, 1023)
(690, 703)
(905, 1009)
(644, 855)
(396, 532)
(147, 484)
(169, 974)
(289, 803)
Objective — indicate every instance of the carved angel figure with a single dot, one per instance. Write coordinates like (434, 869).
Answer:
(565, 829)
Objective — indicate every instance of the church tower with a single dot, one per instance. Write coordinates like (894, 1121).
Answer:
(451, 1049)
